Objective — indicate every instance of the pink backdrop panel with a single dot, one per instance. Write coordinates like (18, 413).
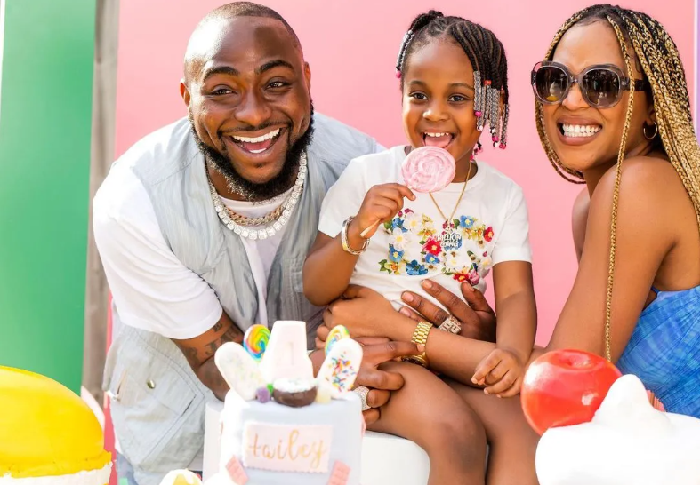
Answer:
(352, 49)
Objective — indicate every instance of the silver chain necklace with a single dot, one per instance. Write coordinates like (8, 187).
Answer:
(255, 233)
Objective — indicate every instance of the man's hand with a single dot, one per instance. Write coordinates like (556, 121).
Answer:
(477, 317)
(199, 352)
(376, 351)
(501, 372)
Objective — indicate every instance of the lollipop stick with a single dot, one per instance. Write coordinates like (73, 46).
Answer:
(374, 226)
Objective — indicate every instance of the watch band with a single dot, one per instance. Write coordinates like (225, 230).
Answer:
(344, 239)
(420, 337)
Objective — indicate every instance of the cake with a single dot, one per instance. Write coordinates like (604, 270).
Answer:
(280, 425)
(48, 435)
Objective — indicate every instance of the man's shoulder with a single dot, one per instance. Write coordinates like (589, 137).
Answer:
(337, 143)
(123, 186)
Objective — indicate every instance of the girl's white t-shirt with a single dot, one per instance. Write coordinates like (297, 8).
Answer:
(489, 226)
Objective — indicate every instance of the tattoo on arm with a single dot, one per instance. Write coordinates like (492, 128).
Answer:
(200, 351)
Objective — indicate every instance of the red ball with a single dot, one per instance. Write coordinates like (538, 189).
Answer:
(565, 387)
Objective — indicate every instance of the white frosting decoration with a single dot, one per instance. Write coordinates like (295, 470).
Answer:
(286, 356)
(93, 477)
(239, 370)
(293, 386)
(628, 442)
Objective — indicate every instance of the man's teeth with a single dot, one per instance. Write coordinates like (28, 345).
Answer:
(436, 135)
(580, 131)
(266, 136)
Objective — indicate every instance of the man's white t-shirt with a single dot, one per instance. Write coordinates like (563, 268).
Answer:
(153, 290)
(489, 226)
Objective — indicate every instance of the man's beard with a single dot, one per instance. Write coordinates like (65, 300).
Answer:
(251, 191)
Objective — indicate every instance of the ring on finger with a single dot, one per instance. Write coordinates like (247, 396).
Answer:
(451, 324)
(362, 391)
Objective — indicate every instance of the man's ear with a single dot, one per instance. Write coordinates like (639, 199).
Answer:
(185, 93)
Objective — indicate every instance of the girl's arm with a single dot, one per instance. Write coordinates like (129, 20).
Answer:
(328, 268)
(515, 307)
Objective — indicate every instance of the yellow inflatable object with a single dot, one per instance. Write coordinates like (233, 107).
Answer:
(48, 435)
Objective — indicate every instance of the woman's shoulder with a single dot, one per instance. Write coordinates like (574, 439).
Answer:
(652, 178)
(650, 189)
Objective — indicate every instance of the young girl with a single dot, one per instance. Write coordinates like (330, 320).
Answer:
(453, 79)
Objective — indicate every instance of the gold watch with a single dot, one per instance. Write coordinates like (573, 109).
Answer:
(420, 337)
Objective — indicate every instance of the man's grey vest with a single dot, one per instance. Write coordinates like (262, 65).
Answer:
(157, 402)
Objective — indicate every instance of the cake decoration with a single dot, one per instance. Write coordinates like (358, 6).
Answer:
(336, 334)
(236, 471)
(339, 370)
(48, 434)
(565, 387)
(282, 426)
(627, 442)
(295, 393)
(341, 473)
(285, 374)
(255, 341)
(181, 477)
(239, 370)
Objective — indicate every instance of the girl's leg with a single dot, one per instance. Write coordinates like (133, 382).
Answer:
(429, 413)
(512, 442)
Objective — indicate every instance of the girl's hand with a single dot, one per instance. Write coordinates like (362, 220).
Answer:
(381, 204)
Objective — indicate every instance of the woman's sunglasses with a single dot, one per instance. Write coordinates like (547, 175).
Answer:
(601, 86)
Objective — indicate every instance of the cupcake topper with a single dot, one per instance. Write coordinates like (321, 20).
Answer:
(239, 370)
(339, 371)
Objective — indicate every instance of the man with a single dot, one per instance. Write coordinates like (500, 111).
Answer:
(203, 227)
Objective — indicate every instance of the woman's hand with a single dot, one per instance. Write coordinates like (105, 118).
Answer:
(476, 316)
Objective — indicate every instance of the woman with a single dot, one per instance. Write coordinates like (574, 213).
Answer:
(626, 132)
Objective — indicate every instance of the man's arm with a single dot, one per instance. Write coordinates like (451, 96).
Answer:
(199, 352)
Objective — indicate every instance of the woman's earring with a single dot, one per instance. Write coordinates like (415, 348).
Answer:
(648, 136)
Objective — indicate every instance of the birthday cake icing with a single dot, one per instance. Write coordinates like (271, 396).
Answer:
(280, 425)
(48, 435)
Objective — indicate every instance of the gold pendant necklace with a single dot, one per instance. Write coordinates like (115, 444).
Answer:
(458, 200)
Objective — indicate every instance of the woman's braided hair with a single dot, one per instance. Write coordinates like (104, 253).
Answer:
(661, 65)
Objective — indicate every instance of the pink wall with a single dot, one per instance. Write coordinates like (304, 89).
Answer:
(352, 48)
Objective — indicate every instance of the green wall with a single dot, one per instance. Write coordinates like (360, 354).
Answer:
(45, 134)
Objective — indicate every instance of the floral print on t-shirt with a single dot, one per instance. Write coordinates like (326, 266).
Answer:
(418, 247)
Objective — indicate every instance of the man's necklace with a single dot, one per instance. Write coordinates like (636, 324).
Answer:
(274, 221)
(448, 221)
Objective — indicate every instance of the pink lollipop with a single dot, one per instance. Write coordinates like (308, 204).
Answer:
(428, 169)
(425, 169)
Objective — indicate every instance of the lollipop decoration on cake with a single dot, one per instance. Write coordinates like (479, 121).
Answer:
(277, 368)
(425, 170)
(255, 341)
(336, 334)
